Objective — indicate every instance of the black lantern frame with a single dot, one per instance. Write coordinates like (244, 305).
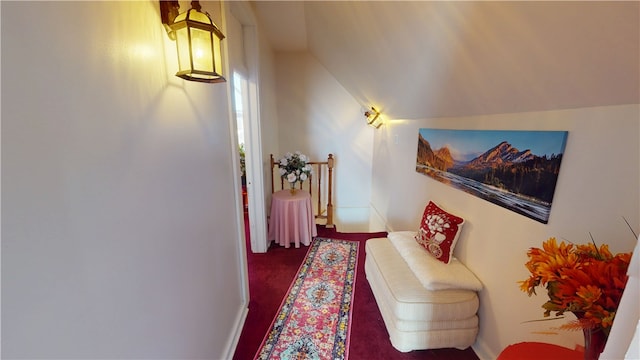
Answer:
(198, 42)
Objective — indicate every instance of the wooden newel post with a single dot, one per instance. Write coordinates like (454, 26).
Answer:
(330, 203)
(319, 166)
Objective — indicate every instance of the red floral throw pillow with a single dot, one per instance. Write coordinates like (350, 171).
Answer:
(439, 231)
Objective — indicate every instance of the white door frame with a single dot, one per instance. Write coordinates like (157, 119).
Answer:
(252, 130)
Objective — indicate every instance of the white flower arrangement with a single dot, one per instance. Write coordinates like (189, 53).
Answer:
(294, 167)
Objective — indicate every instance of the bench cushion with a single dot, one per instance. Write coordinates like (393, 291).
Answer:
(432, 273)
(404, 294)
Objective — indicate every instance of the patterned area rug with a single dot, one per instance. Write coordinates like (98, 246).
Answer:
(313, 321)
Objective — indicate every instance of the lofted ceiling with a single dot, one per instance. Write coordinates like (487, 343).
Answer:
(423, 59)
(284, 24)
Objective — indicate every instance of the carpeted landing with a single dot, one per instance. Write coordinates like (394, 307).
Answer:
(271, 276)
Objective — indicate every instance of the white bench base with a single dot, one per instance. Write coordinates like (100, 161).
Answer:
(417, 318)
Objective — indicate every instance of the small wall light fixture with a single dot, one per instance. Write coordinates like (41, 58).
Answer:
(373, 117)
(197, 41)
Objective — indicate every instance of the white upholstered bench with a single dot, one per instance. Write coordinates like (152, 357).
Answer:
(425, 305)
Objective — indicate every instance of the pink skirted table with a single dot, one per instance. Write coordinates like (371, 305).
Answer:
(292, 219)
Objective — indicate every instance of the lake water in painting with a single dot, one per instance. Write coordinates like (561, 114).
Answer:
(522, 205)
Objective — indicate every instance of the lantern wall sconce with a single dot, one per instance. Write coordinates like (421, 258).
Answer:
(197, 41)
(373, 117)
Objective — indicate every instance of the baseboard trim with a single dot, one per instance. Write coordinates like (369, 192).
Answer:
(232, 342)
(377, 222)
(483, 352)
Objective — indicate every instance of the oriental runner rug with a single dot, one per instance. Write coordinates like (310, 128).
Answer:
(313, 321)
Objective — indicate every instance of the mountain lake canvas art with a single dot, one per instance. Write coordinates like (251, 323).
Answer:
(517, 170)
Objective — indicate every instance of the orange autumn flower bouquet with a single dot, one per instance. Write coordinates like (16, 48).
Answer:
(583, 279)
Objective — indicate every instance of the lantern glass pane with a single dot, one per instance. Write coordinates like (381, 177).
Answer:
(182, 44)
(199, 17)
(201, 50)
(217, 57)
(180, 17)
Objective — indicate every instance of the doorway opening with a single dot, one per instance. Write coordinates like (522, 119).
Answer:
(239, 94)
(244, 57)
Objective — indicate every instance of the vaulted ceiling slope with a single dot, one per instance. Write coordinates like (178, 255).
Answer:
(423, 59)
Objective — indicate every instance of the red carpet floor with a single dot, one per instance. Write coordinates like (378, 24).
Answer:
(270, 275)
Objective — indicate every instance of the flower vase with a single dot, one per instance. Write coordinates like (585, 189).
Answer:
(292, 188)
(594, 341)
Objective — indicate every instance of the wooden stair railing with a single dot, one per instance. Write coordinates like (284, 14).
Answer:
(318, 169)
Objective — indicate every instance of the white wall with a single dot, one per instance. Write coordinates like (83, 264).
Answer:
(624, 339)
(268, 113)
(119, 226)
(317, 116)
(597, 187)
